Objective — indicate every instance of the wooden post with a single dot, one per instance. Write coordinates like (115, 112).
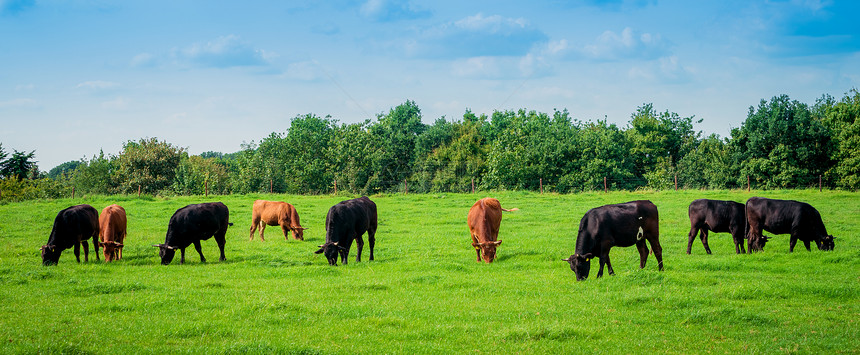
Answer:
(206, 188)
(138, 190)
(73, 192)
(541, 185)
(271, 185)
(473, 185)
(676, 182)
(819, 183)
(335, 187)
(405, 186)
(605, 188)
(748, 183)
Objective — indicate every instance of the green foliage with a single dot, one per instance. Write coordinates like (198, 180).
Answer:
(351, 150)
(781, 145)
(307, 162)
(19, 166)
(843, 119)
(707, 166)
(64, 169)
(394, 136)
(148, 164)
(196, 174)
(96, 176)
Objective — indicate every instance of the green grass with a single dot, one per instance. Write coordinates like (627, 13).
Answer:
(425, 293)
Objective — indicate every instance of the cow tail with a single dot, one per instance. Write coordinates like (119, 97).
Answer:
(510, 210)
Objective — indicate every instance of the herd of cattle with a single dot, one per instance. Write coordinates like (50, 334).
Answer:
(600, 229)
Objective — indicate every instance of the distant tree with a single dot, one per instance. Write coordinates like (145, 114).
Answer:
(149, 164)
(64, 169)
(396, 134)
(658, 142)
(308, 164)
(781, 145)
(97, 175)
(20, 166)
(707, 166)
(843, 119)
(211, 154)
(602, 151)
(351, 151)
(195, 174)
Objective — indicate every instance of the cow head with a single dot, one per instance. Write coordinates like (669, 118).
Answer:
(488, 250)
(111, 250)
(299, 233)
(827, 243)
(756, 243)
(331, 251)
(50, 255)
(580, 264)
(166, 253)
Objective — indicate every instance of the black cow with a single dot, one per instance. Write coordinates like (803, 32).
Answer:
(72, 227)
(346, 221)
(799, 219)
(717, 216)
(622, 225)
(191, 224)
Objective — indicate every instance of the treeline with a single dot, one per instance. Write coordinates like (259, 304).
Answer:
(782, 143)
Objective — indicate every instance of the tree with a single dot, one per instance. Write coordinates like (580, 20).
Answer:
(149, 164)
(20, 166)
(843, 119)
(395, 134)
(658, 142)
(351, 151)
(707, 165)
(781, 145)
(64, 169)
(308, 165)
(602, 151)
(96, 176)
(195, 174)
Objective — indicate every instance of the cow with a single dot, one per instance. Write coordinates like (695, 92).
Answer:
(719, 217)
(484, 220)
(799, 219)
(112, 223)
(622, 225)
(345, 222)
(191, 224)
(275, 213)
(73, 226)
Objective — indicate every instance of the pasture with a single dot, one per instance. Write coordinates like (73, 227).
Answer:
(425, 293)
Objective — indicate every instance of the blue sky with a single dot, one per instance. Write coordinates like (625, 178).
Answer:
(77, 76)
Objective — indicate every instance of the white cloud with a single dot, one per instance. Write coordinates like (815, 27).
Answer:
(143, 60)
(625, 45)
(223, 52)
(18, 103)
(477, 36)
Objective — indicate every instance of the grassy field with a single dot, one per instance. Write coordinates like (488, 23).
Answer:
(425, 293)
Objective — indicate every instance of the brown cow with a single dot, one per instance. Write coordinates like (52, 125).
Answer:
(275, 213)
(484, 220)
(112, 223)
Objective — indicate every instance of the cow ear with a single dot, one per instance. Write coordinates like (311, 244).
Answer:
(319, 251)
(118, 245)
(588, 256)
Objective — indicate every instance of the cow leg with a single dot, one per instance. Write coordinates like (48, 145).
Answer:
(359, 243)
(792, 243)
(704, 237)
(86, 250)
(286, 229)
(371, 240)
(658, 251)
(262, 230)
(78, 252)
(182, 256)
(602, 262)
(643, 253)
(806, 244)
(252, 229)
(199, 251)
(691, 237)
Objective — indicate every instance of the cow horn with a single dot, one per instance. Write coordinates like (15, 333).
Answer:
(158, 245)
(568, 259)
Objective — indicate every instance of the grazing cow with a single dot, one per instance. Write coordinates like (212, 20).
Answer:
(719, 217)
(191, 224)
(276, 213)
(72, 227)
(622, 225)
(484, 220)
(345, 222)
(112, 223)
(799, 219)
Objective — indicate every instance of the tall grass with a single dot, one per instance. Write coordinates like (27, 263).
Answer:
(425, 293)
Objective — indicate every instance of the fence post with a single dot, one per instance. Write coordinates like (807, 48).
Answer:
(138, 190)
(676, 182)
(206, 188)
(405, 186)
(541, 185)
(473, 185)
(271, 185)
(73, 192)
(819, 183)
(605, 188)
(748, 183)
(335, 187)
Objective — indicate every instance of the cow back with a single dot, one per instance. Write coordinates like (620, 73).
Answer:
(72, 225)
(196, 222)
(785, 216)
(616, 225)
(350, 218)
(485, 219)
